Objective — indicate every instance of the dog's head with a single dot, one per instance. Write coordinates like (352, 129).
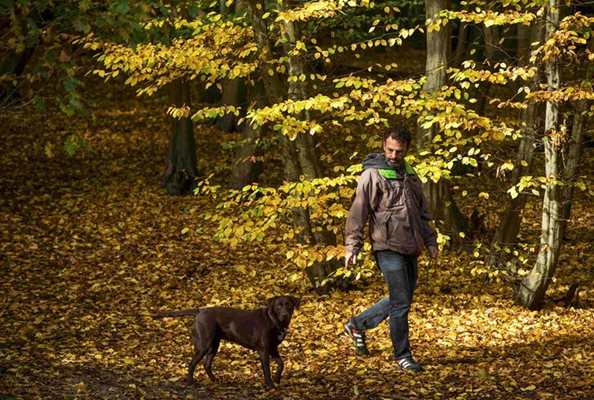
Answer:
(280, 308)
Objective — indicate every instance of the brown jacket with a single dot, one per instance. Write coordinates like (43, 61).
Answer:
(397, 211)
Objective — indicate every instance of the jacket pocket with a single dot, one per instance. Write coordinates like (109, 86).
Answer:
(378, 228)
(395, 194)
(399, 231)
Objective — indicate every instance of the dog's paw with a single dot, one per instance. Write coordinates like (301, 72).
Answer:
(270, 385)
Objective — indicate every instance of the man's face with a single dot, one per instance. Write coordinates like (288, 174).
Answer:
(395, 151)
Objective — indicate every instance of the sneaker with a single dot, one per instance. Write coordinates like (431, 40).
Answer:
(409, 364)
(358, 336)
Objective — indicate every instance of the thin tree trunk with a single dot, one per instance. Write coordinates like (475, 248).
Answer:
(15, 61)
(525, 33)
(230, 97)
(275, 93)
(439, 196)
(272, 86)
(181, 171)
(491, 54)
(531, 290)
(246, 168)
(507, 231)
(458, 56)
(571, 159)
(244, 171)
(306, 147)
(573, 155)
(232, 89)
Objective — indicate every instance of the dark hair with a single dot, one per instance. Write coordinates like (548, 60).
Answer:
(398, 132)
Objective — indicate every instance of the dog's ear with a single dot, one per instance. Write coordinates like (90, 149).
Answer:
(296, 301)
(270, 301)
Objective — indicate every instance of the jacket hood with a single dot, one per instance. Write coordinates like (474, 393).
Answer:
(376, 161)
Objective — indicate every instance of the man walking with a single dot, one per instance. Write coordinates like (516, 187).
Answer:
(390, 195)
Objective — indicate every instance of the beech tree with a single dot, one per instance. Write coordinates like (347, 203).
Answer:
(563, 41)
(438, 194)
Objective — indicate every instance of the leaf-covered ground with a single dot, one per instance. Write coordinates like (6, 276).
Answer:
(90, 246)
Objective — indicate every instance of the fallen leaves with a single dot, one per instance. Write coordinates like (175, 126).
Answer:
(90, 246)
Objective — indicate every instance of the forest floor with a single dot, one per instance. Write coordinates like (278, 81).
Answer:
(91, 245)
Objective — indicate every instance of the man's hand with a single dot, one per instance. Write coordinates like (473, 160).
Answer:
(350, 259)
(433, 251)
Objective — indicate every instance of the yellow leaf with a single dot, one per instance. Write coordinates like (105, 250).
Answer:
(49, 150)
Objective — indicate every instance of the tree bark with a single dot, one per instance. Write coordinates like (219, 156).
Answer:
(439, 196)
(276, 93)
(507, 231)
(460, 45)
(306, 147)
(299, 156)
(231, 96)
(531, 290)
(181, 171)
(491, 54)
(571, 160)
(244, 171)
(525, 33)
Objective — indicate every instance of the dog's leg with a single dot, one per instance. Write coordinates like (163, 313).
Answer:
(279, 364)
(198, 355)
(265, 361)
(214, 347)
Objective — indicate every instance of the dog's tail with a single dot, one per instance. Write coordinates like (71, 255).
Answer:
(180, 313)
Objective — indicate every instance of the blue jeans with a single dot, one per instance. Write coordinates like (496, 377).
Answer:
(400, 272)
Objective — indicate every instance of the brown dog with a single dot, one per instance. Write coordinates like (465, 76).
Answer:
(261, 330)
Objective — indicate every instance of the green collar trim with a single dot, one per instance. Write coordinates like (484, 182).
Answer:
(409, 169)
(392, 174)
(388, 173)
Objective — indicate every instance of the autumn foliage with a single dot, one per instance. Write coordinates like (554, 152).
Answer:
(90, 248)
(91, 245)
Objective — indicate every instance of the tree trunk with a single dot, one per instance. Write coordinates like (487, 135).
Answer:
(244, 172)
(525, 33)
(298, 155)
(13, 64)
(460, 45)
(231, 96)
(507, 231)
(531, 290)
(439, 196)
(306, 147)
(181, 171)
(491, 54)
(275, 93)
(571, 159)
(573, 155)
